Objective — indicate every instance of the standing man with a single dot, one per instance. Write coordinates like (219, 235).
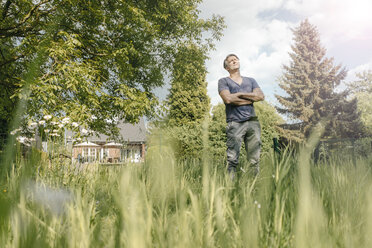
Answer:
(239, 93)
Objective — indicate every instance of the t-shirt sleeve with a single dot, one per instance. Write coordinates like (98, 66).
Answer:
(222, 85)
(254, 84)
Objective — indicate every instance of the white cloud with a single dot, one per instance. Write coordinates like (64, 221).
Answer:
(238, 9)
(261, 45)
(351, 75)
(260, 34)
(336, 19)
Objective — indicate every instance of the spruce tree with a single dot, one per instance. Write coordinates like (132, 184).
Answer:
(310, 81)
(188, 100)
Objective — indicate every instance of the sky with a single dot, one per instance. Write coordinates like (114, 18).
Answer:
(259, 32)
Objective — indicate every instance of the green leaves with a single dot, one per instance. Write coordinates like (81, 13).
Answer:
(361, 90)
(102, 56)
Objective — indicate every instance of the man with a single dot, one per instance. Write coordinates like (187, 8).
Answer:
(239, 93)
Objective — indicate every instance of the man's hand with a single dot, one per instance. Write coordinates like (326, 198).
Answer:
(235, 99)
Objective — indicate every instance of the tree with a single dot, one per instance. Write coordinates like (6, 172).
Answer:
(188, 100)
(269, 120)
(361, 91)
(101, 59)
(6, 108)
(217, 132)
(310, 82)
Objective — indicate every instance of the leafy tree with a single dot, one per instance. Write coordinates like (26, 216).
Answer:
(102, 58)
(310, 82)
(361, 90)
(6, 108)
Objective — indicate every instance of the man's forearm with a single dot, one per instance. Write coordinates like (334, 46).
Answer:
(235, 99)
(241, 102)
(254, 97)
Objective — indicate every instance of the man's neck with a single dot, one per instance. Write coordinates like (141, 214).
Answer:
(235, 74)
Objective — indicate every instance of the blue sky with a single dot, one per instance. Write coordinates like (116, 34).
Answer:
(259, 32)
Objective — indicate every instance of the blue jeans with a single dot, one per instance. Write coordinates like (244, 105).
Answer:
(250, 133)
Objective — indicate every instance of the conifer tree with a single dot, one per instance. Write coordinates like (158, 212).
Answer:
(310, 81)
(188, 100)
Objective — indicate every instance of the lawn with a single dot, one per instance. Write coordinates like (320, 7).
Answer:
(169, 203)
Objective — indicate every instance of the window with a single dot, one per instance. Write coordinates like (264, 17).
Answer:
(133, 155)
(123, 154)
(89, 153)
(106, 153)
(93, 152)
(85, 152)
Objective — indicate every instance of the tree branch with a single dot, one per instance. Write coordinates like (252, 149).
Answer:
(6, 8)
(11, 60)
(33, 10)
(28, 16)
(2, 55)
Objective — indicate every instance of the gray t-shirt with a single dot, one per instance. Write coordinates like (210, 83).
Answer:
(233, 112)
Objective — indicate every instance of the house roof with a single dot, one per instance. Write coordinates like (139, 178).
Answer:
(127, 132)
(113, 144)
(134, 133)
(87, 144)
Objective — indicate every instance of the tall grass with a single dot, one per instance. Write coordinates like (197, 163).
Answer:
(168, 203)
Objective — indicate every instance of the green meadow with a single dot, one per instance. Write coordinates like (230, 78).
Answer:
(47, 201)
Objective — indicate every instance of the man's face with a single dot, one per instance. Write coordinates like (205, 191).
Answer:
(232, 63)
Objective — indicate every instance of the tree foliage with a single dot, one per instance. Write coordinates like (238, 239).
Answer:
(217, 131)
(188, 100)
(187, 140)
(361, 90)
(103, 58)
(310, 82)
(269, 120)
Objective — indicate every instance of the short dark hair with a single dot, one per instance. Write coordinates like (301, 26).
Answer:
(228, 56)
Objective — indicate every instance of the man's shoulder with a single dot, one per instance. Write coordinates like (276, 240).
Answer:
(223, 84)
(249, 78)
(223, 79)
(251, 81)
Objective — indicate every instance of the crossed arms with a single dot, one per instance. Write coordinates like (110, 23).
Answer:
(242, 98)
